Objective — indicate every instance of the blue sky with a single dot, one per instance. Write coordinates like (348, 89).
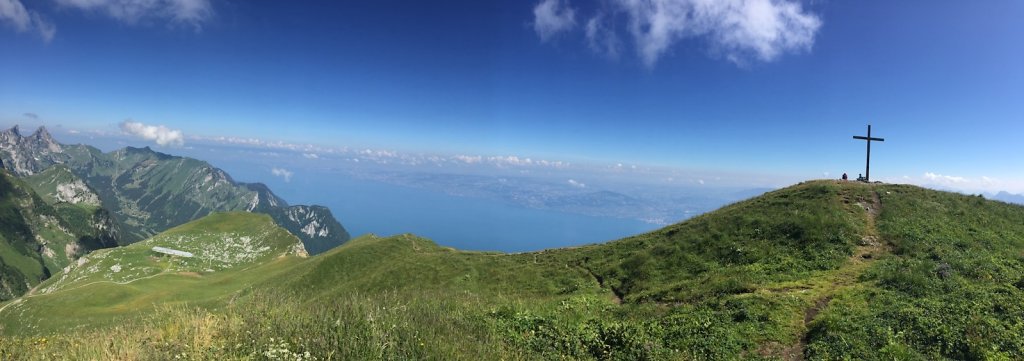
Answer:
(759, 86)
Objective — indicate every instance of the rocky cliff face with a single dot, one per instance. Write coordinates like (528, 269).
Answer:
(38, 238)
(27, 155)
(148, 192)
(315, 225)
(79, 207)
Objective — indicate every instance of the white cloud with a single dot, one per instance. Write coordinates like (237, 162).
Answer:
(944, 179)
(468, 159)
(188, 12)
(158, 133)
(739, 30)
(381, 156)
(576, 184)
(551, 17)
(701, 181)
(14, 13)
(963, 184)
(283, 173)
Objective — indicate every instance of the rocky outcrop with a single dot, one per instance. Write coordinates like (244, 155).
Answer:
(314, 225)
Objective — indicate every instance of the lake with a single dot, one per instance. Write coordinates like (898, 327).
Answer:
(465, 223)
(366, 206)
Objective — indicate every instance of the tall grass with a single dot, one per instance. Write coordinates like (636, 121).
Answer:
(274, 326)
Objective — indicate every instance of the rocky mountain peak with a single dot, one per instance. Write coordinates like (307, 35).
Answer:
(29, 155)
(43, 138)
(42, 134)
(11, 135)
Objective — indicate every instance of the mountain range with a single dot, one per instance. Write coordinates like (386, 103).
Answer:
(1008, 197)
(91, 200)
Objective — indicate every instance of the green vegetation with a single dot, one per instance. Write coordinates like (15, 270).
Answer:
(34, 238)
(78, 207)
(952, 289)
(143, 192)
(821, 270)
(231, 251)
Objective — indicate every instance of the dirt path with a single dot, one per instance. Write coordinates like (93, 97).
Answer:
(16, 301)
(616, 295)
(870, 248)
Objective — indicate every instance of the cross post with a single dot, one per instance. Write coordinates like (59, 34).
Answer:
(867, 167)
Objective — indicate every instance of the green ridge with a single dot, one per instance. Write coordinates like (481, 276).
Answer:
(821, 270)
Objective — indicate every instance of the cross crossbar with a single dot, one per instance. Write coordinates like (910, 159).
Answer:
(866, 138)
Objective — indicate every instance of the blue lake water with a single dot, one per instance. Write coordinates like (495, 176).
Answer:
(464, 223)
(365, 206)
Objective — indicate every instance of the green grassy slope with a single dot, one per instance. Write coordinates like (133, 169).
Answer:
(820, 270)
(953, 287)
(231, 252)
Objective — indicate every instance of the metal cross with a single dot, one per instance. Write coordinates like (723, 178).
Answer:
(867, 168)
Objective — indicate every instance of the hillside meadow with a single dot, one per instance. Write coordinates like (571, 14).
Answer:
(821, 270)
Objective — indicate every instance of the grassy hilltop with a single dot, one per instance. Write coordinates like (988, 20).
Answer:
(819, 270)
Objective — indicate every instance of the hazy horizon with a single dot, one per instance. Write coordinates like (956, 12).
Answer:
(745, 95)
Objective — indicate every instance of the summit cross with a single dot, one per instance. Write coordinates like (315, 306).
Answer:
(867, 167)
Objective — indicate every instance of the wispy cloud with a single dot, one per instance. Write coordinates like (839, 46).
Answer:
(944, 179)
(966, 184)
(551, 17)
(283, 173)
(160, 134)
(186, 12)
(601, 37)
(14, 13)
(511, 160)
(738, 30)
(33, 116)
(468, 159)
(384, 156)
(577, 184)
